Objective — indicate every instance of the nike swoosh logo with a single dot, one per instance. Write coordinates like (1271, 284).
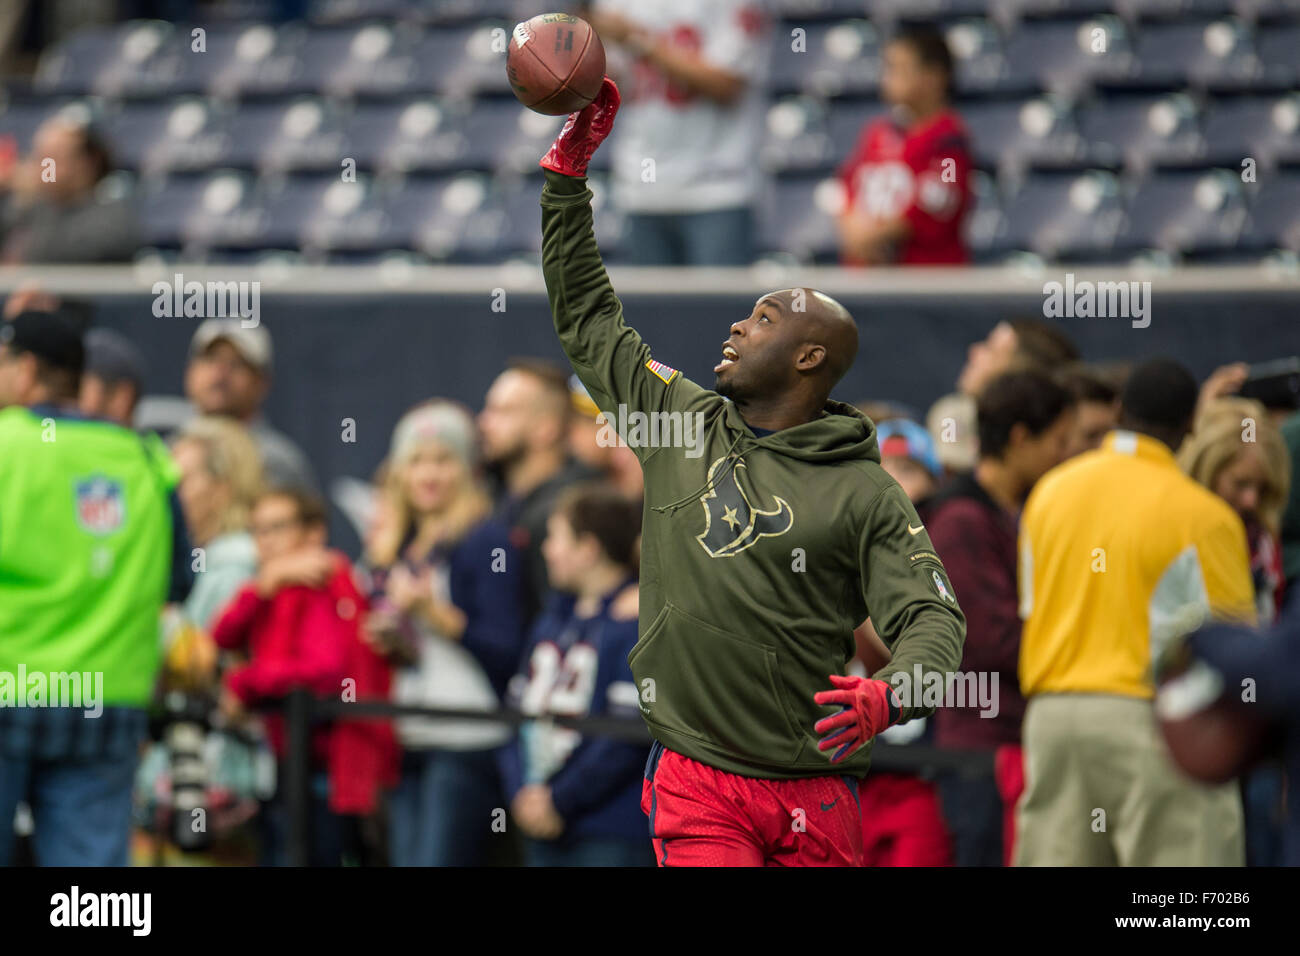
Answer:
(827, 806)
(915, 531)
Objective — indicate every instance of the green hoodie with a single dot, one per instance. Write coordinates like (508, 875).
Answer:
(759, 556)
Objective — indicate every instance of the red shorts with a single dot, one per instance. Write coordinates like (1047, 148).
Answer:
(702, 816)
(902, 824)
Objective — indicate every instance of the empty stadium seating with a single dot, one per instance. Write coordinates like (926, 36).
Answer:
(1101, 130)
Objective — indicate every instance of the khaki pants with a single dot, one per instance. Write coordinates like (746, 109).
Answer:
(1101, 790)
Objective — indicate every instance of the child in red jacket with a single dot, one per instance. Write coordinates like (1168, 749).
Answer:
(298, 621)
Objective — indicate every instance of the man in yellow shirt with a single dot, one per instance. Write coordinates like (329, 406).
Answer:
(1119, 553)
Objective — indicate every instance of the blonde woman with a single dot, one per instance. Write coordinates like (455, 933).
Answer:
(1238, 453)
(221, 477)
(446, 598)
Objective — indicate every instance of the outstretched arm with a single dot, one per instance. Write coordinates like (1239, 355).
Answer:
(610, 358)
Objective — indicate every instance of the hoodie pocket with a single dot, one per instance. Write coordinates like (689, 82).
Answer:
(715, 687)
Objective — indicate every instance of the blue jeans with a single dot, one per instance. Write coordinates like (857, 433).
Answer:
(81, 809)
(720, 237)
(441, 812)
(594, 851)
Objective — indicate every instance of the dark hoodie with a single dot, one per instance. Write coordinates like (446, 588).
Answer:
(759, 555)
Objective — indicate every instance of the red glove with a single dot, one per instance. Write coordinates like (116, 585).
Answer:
(583, 132)
(869, 707)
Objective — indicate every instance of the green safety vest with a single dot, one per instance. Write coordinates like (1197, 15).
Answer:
(85, 551)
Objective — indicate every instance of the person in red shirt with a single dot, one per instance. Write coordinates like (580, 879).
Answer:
(298, 621)
(907, 181)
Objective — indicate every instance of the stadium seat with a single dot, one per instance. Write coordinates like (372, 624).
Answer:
(1187, 212)
(1061, 55)
(217, 208)
(986, 223)
(1218, 53)
(797, 216)
(1068, 216)
(1265, 128)
(324, 213)
(833, 59)
(1016, 133)
(1142, 130)
(1274, 221)
(413, 135)
(500, 134)
(373, 59)
(797, 136)
(1278, 44)
(303, 133)
(463, 61)
(185, 133)
(848, 118)
(137, 58)
(248, 59)
(980, 67)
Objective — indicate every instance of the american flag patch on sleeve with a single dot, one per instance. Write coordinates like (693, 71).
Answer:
(663, 371)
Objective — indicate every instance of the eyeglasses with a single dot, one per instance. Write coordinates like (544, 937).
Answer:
(273, 527)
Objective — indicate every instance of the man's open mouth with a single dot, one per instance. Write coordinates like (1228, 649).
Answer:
(729, 357)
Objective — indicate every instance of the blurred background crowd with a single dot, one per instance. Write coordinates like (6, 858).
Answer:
(491, 559)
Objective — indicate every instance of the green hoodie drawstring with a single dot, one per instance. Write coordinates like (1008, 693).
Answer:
(672, 507)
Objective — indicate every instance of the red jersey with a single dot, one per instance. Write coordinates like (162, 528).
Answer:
(921, 174)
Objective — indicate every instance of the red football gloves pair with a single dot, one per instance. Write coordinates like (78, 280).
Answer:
(583, 132)
(869, 707)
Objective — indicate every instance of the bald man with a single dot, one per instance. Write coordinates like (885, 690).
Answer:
(769, 532)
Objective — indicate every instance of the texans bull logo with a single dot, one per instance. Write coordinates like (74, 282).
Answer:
(732, 523)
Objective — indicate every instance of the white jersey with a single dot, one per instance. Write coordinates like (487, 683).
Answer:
(675, 151)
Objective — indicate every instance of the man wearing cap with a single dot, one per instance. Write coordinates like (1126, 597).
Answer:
(230, 374)
(1024, 421)
(91, 545)
(113, 379)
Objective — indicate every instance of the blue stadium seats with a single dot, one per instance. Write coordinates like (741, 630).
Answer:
(1278, 46)
(986, 224)
(1218, 53)
(1275, 214)
(1082, 154)
(218, 208)
(1142, 130)
(185, 133)
(1016, 133)
(416, 135)
(501, 134)
(303, 133)
(797, 135)
(463, 61)
(1066, 55)
(797, 216)
(1068, 216)
(979, 64)
(370, 60)
(1188, 213)
(827, 59)
(848, 119)
(1265, 128)
(139, 58)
